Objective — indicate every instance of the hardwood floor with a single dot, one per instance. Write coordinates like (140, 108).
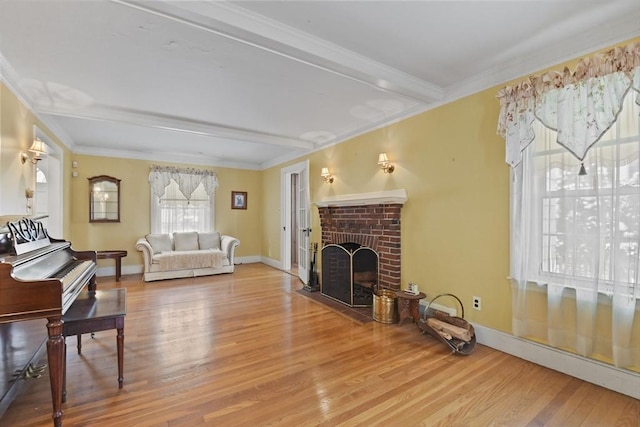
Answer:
(247, 350)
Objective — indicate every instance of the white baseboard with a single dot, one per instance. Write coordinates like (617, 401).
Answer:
(247, 259)
(271, 262)
(450, 311)
(593, 371)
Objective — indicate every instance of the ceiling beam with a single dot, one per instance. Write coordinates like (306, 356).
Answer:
(239, 24)
(172, 123)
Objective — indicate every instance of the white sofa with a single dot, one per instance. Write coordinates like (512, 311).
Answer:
(186, 254)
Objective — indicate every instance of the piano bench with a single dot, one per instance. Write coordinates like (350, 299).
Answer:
(94, 311)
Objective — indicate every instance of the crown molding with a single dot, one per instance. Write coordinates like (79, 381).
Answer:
(621, 31)
(350, 135)
(11, 79)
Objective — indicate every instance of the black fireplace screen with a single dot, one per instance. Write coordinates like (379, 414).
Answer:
(349, 273)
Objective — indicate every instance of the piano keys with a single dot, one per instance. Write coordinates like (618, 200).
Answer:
(39, 279)
(60, 264)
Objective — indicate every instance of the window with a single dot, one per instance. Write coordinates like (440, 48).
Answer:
(173, 212)
(182, 199)
(586, 227)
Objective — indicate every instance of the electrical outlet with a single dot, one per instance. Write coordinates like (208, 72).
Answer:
(477, 303)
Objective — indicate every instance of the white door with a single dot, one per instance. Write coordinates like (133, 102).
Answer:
(295, 218)
(304, 224)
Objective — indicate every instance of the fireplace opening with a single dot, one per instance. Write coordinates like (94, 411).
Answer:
(349, 273)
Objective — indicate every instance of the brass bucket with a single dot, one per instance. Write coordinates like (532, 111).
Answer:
(384, 306)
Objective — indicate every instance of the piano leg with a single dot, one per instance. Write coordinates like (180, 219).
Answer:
(55, 355)
(64, 373)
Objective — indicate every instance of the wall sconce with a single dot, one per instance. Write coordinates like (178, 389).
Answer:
(383, 161)
(39, 150)
(326, 176)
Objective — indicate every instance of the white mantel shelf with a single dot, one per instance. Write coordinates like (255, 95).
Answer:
(391, 197)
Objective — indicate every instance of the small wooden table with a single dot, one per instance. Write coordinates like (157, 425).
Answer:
(94, 311)
(409, 306)
(117, 255)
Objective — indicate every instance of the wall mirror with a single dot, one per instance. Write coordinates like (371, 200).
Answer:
(104, 199)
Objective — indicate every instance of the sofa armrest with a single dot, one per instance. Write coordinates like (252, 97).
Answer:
(147, 252)
(228, 244)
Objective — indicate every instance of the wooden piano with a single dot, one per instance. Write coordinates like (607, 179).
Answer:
(40, 277)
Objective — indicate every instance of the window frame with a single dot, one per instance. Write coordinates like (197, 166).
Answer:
(546, 274)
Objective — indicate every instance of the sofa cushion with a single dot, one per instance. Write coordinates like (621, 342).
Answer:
(185, 241)
(209, 240)
(159, 242)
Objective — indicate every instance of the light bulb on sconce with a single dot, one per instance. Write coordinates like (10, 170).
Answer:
(326, 176)
(384, 163)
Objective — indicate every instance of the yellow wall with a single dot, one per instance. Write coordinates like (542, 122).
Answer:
(16, 136)
(135, 207)
(455, 224)
(270, 221)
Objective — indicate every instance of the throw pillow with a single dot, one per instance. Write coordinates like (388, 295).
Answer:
(209, 240)
(159, 242)
(185, 241)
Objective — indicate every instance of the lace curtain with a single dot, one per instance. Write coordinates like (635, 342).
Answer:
(580, 105)
(188, 180)
(575, 237)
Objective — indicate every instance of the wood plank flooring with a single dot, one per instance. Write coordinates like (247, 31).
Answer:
(247, 350)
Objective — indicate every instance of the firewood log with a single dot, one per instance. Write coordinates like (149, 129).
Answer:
(457, 321)
(455, 331)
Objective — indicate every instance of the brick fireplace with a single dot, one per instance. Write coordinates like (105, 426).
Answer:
(371, 220)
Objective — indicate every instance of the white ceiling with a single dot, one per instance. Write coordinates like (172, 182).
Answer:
(250, 84)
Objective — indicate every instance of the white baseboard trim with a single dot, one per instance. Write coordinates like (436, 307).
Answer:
(271, 262)
(593, 371)
(450, 311)
(246, 259)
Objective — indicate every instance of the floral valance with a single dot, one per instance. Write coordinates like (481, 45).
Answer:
(188, 180)
(580, 105)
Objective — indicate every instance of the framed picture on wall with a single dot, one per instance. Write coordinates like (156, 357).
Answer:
(238, 200)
